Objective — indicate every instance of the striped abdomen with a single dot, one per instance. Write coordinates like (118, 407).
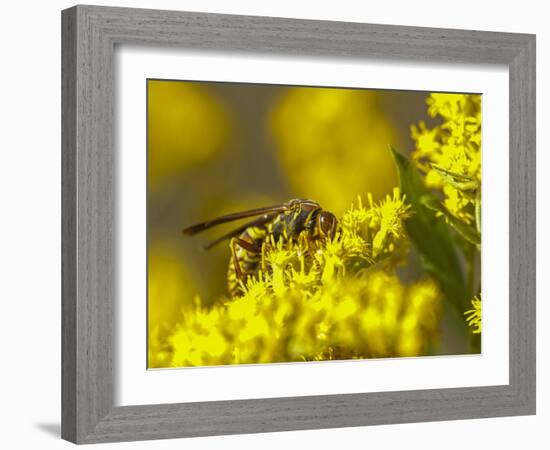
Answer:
(249, 262)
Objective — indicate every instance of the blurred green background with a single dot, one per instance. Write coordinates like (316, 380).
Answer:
(215, 148)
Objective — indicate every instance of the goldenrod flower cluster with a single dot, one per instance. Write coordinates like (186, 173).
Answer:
(339, 300)
(450, 154)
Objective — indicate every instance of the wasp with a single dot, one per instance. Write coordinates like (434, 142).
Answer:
(297, 218)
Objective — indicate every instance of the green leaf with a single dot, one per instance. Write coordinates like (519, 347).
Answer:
(431, 236)
(467, 232)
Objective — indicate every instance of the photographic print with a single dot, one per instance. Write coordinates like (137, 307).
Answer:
(294, 224)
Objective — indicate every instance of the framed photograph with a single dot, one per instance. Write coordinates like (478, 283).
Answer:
(277, 224)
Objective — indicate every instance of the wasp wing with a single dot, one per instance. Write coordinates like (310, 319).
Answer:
(253, 223)
(199, 227)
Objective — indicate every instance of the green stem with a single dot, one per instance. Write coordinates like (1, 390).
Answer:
(472, 271)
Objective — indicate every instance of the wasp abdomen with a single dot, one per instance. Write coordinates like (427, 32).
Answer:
(246, 260)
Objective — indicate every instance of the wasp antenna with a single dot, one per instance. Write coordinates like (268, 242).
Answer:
(189, 231)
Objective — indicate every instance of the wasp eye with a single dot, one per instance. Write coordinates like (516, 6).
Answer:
(327, 224)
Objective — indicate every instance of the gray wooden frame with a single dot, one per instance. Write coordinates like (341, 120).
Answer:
(89, 37)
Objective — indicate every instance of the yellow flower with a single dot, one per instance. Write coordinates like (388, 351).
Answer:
(388, 217)
(446, 105)
(449, 154)
(473, 316)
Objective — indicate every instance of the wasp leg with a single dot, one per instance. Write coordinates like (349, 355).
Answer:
(248, 246)
(310, 248)
(264, 246)
(309, 242)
